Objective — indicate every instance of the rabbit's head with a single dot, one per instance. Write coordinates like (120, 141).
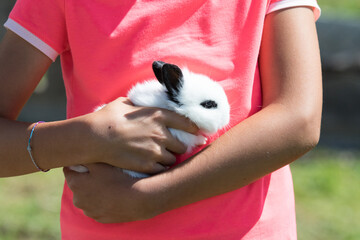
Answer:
(195, 96)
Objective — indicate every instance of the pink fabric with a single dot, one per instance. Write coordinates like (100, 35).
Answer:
(107, 45)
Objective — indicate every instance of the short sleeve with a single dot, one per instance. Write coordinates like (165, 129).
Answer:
(276, 5)
(41, 23)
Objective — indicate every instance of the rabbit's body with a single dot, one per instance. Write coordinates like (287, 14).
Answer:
(195, 96)
(153, 94)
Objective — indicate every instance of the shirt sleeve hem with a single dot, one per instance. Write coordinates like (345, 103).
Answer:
(295, 3)
(31, 38)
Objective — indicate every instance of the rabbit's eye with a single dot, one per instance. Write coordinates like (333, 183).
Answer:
(209, 104)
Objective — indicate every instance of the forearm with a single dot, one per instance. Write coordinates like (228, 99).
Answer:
(21, 68)
(267, 141)
(287, 127)
(108, 136)
(54, 144)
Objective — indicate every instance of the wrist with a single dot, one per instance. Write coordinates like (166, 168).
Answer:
(90, 144)
(155, 196)
(60, 143)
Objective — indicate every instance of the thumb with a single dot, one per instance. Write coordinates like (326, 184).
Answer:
(124, 100)
(105, 171)
(99, 167)
(73, 178)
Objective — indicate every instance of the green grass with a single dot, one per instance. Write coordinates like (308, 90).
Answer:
(350, 8)
(327, 196)
(29, 206)
(326, 189)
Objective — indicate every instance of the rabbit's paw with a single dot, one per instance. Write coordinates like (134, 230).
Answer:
(200, 140)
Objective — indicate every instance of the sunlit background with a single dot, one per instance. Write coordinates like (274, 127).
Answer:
(326, 180)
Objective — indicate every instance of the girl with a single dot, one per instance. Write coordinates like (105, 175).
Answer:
(237, 187)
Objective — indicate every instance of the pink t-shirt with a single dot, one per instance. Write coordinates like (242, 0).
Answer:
(108, 45)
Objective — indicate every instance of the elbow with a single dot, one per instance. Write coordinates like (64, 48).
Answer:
(9, 115)
(312, 137)
(308, 130)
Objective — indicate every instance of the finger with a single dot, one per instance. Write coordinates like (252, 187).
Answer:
(174, 120)
(99, 167)
(70, 174)
(126, 101)
(158, 168)
(152, 168)
(103, 171)
(168, 158)
(74, 179)
(173, 144)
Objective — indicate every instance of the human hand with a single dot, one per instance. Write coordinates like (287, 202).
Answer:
(108, 195)
(136, 138)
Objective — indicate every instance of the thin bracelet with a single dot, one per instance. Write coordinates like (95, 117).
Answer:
(29, 148)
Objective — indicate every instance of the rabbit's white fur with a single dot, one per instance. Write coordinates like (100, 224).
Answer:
(195, 89)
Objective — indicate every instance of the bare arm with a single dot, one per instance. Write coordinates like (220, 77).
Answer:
(287, 127)
(104, 136)
(21, 68)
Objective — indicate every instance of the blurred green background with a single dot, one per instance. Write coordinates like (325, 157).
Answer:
(343, 8)
(326, 180)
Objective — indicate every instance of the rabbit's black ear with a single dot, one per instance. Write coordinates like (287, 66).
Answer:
(157, 66)
(172, 78)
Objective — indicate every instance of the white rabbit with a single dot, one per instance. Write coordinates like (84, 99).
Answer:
(195, 96)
